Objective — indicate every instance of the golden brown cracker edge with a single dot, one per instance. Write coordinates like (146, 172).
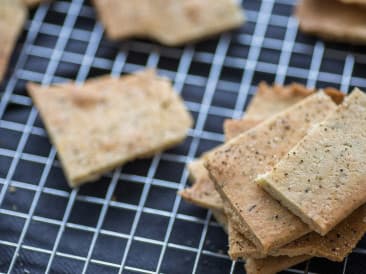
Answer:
(234, 166)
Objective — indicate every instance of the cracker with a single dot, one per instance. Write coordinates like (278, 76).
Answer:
(322, 179)
(12, 17)
(333, 20)
(169, 22)
(335, 246)
(235, 165)
(108, 121)
(270, 100)
(267, 101)
(272, 265)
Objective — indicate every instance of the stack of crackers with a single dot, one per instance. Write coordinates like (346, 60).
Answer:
(290, 182)
(338, 20)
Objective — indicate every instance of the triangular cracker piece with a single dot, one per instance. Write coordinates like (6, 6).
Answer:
(267, 101)
(272, 265)
(333, 20)
(323, 178)
(12, 17)
(235, 165)
(170, 22)
(335, 246)
(108, 121)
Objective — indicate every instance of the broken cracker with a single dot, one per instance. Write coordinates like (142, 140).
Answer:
(322, 179)
(169, 22)
(108, 121)
(12, 17)
(235, 165)
(333, 20)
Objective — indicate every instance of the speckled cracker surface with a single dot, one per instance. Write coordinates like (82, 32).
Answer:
(169, 22)
(272, 265)
(335, 246)
(333, 20)
(235, 165)
(108, 121)
(12, 17)
(323, 178)
(267, 101)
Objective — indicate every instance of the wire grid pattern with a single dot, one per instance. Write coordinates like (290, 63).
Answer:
(132, 220)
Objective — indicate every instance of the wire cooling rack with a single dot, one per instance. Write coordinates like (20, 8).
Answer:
(132, 220)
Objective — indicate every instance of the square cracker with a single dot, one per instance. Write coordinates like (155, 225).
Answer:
(234, 166)
(169, 22)
(108, 121)
(333, 20)
(323, 178)
(272, 265)
(335, 246)
(12, 17)
(267, 101)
